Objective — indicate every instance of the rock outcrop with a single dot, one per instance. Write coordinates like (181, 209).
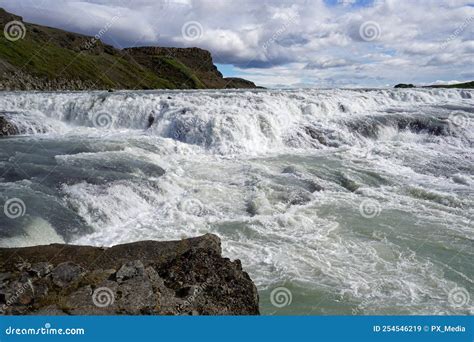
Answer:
(187, 277)
(6, 128)
(404, 85)
(236, 82)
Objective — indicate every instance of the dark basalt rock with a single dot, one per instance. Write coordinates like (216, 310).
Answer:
(403, 85)
(347, 183)
(298, 198)
(187, 277)
(6, 128)
(370, 126)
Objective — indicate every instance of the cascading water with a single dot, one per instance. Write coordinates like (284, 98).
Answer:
(353, 200)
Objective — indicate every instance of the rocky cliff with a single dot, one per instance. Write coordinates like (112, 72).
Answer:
(36, 57)
(187, 277)
(175, 63)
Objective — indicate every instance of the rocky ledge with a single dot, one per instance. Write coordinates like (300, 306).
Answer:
(187, 277)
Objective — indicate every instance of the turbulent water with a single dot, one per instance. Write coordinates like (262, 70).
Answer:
(336, 201)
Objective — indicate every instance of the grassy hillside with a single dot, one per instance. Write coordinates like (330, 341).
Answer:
(52, 59)
(466, 85)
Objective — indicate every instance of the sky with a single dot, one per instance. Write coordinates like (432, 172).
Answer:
(287, 44)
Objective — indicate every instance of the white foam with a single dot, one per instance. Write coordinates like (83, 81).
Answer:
(225, 122)
(38, 232)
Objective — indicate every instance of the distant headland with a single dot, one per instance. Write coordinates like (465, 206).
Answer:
(465, 85)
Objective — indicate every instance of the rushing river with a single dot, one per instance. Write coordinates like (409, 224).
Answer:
(336, 201)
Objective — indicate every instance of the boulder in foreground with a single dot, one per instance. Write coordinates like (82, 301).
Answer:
(187, 277)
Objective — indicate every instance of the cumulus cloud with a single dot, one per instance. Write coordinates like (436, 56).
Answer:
(318, 42)
(326, 63)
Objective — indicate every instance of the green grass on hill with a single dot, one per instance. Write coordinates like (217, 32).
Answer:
(183, 71)
(106, 70)
(52, 61)
(468, 85)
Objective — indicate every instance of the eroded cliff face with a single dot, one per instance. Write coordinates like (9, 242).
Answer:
(45, 58)
(187, 277)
